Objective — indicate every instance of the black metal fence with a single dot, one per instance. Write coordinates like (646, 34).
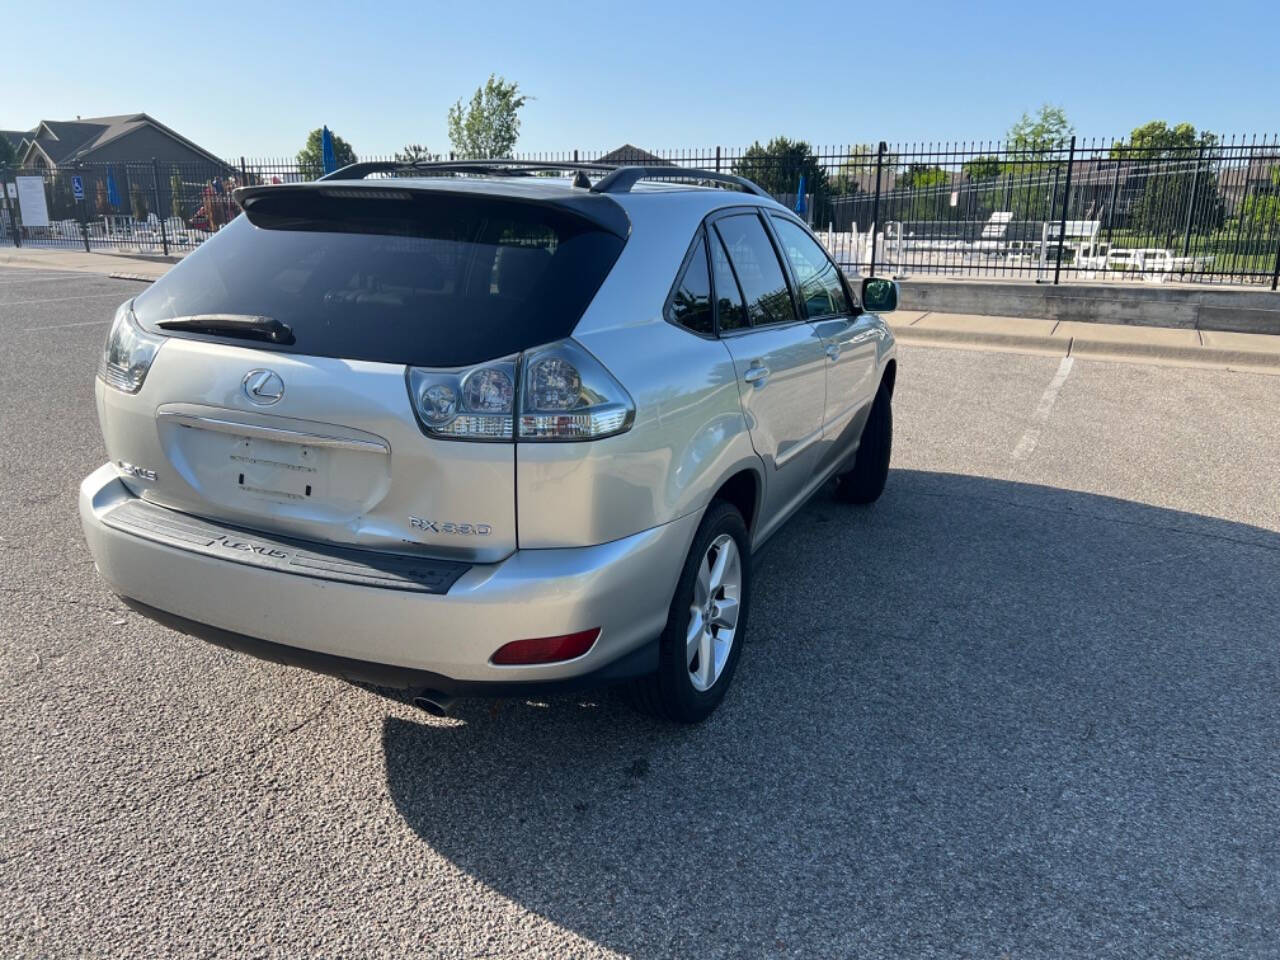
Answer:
(1076, 210)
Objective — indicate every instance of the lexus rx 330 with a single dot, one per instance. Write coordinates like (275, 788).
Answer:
(463, 430)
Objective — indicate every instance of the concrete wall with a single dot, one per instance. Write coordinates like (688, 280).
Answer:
(1145, 304)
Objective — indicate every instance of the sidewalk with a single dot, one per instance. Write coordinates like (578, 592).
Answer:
(1253, 352)
(77, 261)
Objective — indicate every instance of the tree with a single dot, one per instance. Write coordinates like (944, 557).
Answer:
(1175, 170)
(983, 168)
(919, 176)
(778, 165)
(859, 167)
(930, 194)
(8, 156)
(415, 152)
(1048, 128)
(489, 126)
(311, 156)
(1260, 212)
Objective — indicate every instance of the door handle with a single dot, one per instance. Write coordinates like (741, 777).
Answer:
(833, 351)
(756, 375)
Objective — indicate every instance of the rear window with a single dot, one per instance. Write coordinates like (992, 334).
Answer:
(435, 280)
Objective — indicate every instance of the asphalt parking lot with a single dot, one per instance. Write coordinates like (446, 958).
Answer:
(1027, 705)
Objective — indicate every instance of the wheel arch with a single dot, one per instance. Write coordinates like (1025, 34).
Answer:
(744, 489)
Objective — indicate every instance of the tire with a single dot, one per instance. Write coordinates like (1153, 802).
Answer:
(865, 480)
(689, 685)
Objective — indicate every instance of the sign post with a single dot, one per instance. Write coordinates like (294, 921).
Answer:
(10, 192)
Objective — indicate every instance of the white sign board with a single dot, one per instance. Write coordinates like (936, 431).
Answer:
(13, 190)
(31, 201)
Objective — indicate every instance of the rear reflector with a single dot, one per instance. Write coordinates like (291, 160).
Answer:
(546, 649)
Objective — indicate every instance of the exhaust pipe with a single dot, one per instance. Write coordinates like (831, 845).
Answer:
(433, 702)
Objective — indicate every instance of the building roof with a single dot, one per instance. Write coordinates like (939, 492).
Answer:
(62, 141)
(16, 137)
(632, 154)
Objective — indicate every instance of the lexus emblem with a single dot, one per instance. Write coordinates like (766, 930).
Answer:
(263, 387)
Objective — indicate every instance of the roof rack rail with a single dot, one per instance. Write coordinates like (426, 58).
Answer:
(616, 179)
(513, 168)
(622, 179)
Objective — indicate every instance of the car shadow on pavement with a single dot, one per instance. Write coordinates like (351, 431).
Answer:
(980, 716)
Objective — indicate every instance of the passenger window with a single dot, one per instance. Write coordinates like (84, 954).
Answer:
(764, 287)
(691, 303)
(733, 315)
(821, 291)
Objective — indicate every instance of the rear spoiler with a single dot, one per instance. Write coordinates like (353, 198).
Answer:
(595, 208)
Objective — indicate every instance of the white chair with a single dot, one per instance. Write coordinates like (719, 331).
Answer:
(992, 240)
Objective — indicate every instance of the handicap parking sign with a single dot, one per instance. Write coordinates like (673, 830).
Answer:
(77, 187)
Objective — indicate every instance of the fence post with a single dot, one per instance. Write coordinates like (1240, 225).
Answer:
(1191, 206)
(1275, 274)
(717, 159)
(1062, 221)
(84, 213)
(875, 209)
(155, 180)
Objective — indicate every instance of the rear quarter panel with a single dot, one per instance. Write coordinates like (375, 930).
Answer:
(689, 433)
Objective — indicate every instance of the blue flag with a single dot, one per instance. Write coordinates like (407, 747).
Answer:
(327, 156)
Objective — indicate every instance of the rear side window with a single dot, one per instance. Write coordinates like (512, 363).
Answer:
(691, 302)
(757, 268)
(729, 307)
(431, 280)
(821, 291)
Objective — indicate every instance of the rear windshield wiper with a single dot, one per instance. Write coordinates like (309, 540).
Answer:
(233, 324)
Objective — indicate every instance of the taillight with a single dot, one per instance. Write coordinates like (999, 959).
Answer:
(545, 649)
(476, 403)
(567, 394)
(556, 392)
(128, 353)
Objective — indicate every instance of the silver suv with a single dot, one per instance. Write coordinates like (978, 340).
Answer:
(461, 430)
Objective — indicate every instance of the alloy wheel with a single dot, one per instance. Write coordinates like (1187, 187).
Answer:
(713, 615)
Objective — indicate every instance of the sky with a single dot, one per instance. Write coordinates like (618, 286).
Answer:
(252, 79)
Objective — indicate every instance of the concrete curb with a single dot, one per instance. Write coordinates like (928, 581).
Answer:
(1019, 343)
(1249, 361)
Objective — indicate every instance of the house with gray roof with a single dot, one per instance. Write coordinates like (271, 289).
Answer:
(124, 138)
(627, 153)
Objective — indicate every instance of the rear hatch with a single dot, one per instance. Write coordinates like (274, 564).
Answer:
(280, 398)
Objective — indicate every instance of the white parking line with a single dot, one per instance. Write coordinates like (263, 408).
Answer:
(1041, 414)
(87, 296)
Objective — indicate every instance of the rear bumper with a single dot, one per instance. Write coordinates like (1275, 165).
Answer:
(400, 637)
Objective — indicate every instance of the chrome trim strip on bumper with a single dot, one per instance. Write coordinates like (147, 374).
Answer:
(238, 428)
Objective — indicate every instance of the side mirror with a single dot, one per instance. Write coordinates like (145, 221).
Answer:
(879, 296)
